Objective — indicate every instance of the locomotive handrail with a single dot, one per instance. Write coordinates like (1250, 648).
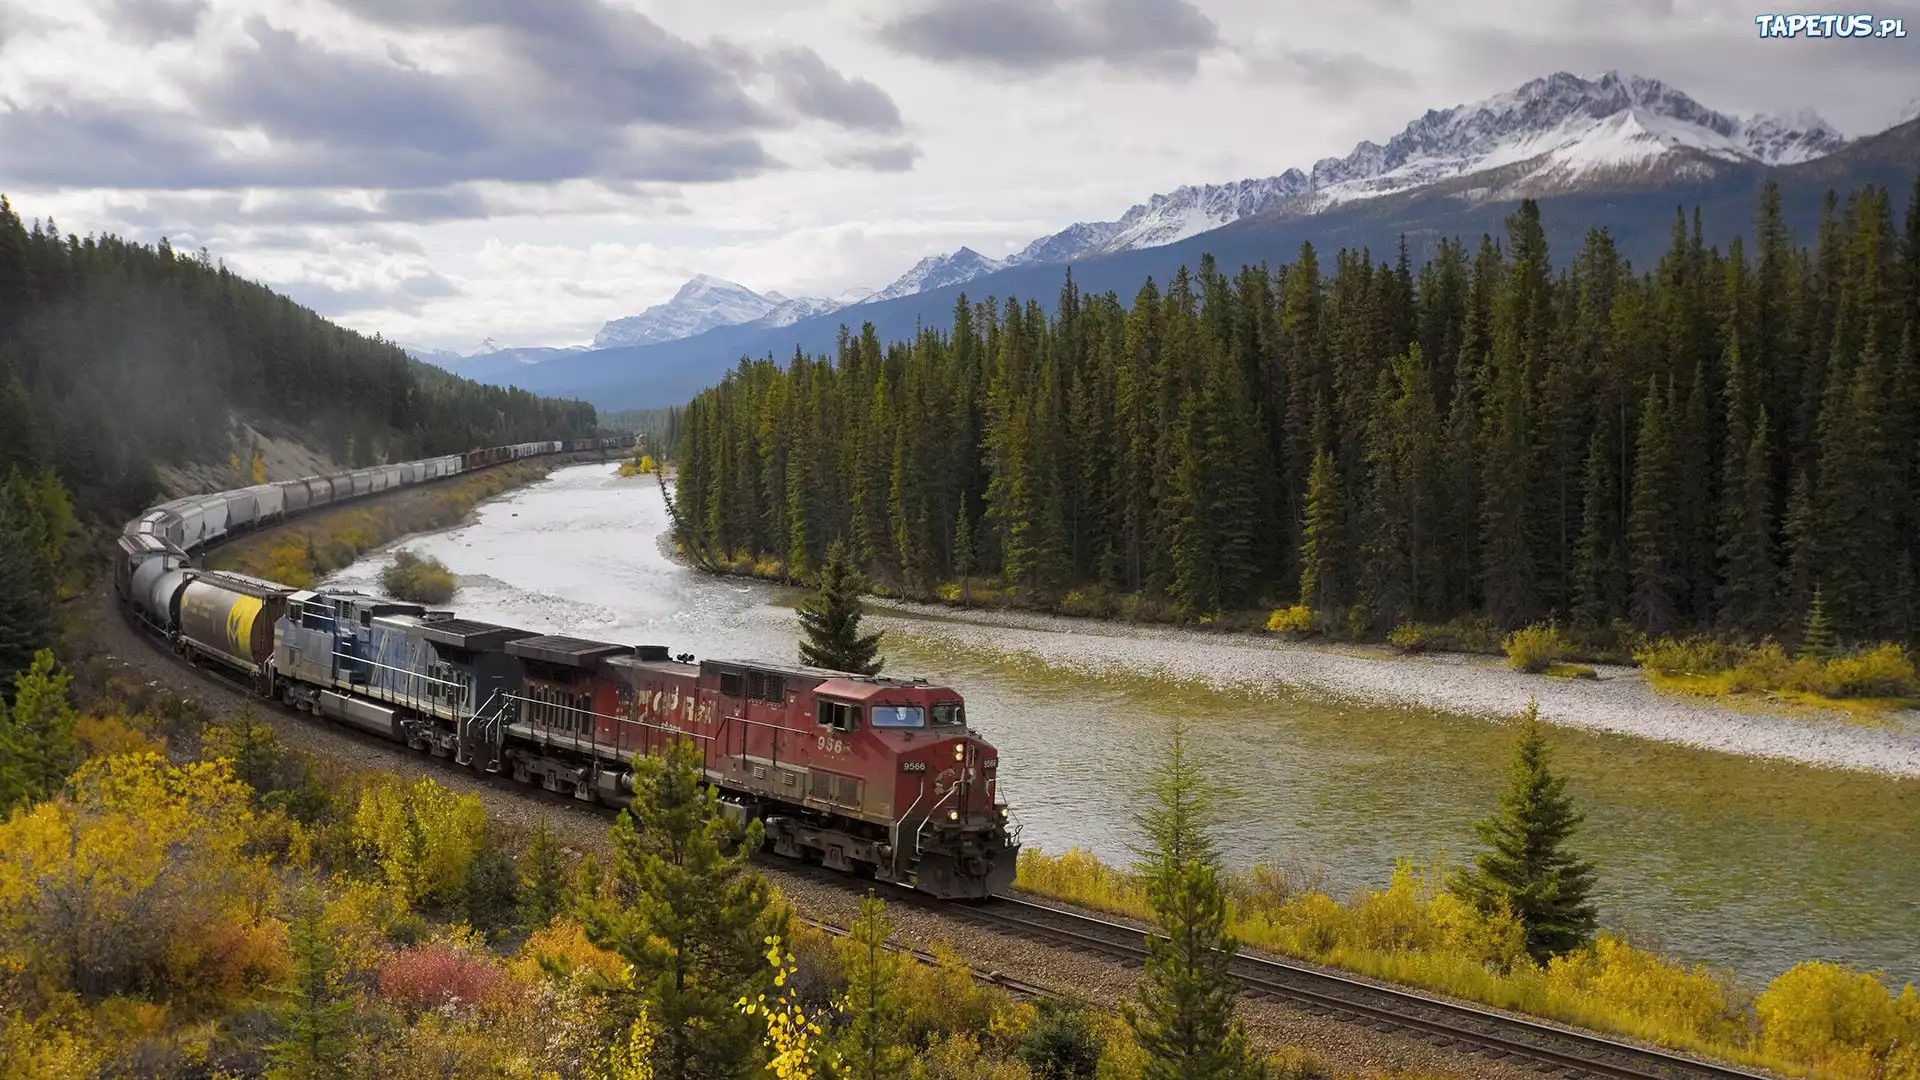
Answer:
(908, 813)
(920, 832)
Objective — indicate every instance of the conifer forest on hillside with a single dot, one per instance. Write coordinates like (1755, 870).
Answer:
(116, 355)
(1707, 444)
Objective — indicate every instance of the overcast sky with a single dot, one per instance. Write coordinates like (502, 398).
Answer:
(448, 170)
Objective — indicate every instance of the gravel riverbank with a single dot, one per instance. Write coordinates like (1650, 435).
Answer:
(1619, 701)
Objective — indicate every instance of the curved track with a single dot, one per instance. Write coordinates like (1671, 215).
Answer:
(1496, 1036)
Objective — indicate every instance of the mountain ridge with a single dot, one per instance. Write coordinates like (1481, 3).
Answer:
(1594, 131)
(1638, 208)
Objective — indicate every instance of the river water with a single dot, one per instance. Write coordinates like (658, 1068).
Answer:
(1745, 863)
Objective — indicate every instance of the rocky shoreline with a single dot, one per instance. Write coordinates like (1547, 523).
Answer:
(1619, 701)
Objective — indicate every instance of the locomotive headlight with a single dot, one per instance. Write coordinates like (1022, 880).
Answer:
(959, 751)
(953, 815)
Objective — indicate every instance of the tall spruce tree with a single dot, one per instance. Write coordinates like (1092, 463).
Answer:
(874, 1043)
(1322, 589)
(1527, 867)
(543, 877)
(26, 595)
(1654, 529)
(314, 1012)
(690, 915)
(830, 618)
(36, 734)
(1182, 1015)
(1746, 547)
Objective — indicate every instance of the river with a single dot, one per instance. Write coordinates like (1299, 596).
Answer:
(1747, 863)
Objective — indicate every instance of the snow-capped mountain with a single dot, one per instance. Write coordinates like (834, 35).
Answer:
(701, 305)
(1552, 135)
(705, 303)
(939, 271)
(1567, 130)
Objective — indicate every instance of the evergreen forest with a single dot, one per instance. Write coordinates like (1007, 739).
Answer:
(1710, 444)
(114, 355)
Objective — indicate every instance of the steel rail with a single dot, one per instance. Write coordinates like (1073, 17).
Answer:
(1436, 1019)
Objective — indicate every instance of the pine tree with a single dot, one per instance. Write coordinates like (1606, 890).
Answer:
(26, 596)
(314, 1009)
(1183, 1016)
(1816, 637)
(36, 734)
(1746, 550)
(1654, 526)
(874, 1043)
(543, 878)
(1321, 587)
(1527, 867)
(491, 893)
(830, 618)
(689, 917)
(1600, 573)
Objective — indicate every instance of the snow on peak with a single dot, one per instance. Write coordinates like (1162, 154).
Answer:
(1573, 129)
(937, 272)
(707, 303)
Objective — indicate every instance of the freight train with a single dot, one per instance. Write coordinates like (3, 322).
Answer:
(878, 777)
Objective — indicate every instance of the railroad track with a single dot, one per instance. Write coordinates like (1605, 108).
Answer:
(1496, 1036)
(1020, 990)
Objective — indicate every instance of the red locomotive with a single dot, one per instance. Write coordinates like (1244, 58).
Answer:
(875, 776)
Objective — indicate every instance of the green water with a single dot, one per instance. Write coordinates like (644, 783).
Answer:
(1743, 863)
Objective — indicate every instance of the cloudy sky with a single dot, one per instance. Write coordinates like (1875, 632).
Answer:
(448, 170)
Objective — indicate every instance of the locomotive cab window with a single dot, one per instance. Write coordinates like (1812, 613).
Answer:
(899, 716)
(949, 714)
(838, 715)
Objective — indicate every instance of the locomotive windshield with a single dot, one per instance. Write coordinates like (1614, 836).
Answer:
(949, 714)
(898, 716)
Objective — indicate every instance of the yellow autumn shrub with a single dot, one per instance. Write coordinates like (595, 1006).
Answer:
(1662, 999)
(139, 879)
(1841, 1020)
(560, 950)
(421, 837)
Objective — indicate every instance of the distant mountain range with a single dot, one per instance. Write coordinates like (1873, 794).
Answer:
(1616, 150)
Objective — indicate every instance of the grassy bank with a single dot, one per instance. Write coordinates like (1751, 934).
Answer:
(303, 551)
(1817, 1019)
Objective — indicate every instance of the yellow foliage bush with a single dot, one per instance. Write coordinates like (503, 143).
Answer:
(421, 837)
(560, 950)
(138, 880)
(1535, 648)
(1297, 619)
(46, 1048)
(1625, 982)
(1704, 665)
(1840, 1020)
(109, 734)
